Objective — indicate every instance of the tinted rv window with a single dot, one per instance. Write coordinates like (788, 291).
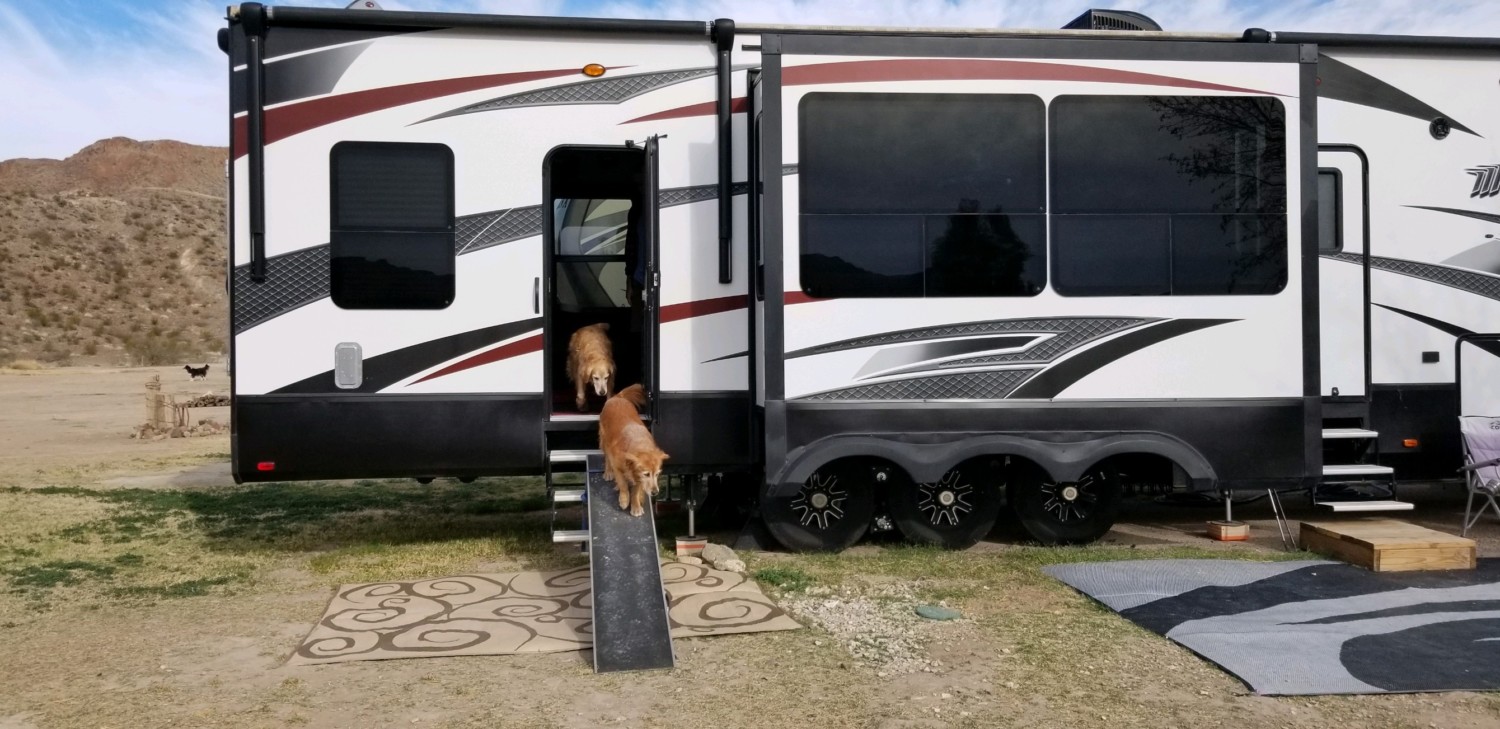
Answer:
(911, 195)
(1168, 195)
(392, 226)
(1330, 209)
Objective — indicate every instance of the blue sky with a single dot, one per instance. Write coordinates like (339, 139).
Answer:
(81, 70)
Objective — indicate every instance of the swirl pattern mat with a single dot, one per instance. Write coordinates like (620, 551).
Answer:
(529, 612)
(1313, 627)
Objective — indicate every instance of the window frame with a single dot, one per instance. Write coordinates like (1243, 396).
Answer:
(338, 231)
(1053, 215)
(923, 244)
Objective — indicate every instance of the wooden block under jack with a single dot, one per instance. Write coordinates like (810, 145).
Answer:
(1387, 545)
(1229, 531)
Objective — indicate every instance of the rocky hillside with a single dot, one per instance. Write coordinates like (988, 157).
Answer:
(114, 255)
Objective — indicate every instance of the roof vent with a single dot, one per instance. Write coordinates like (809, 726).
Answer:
(1111, 20)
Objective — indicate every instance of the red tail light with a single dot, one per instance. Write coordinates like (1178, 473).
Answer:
(265, 466)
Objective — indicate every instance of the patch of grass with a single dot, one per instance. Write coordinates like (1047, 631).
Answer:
(296, 516)
(786, 578)
(130, 560)
(185, 588)
(58, 573)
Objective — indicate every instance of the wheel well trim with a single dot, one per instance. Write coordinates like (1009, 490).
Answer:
(1065, 456)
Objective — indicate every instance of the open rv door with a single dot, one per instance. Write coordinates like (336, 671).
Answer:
(651, 333)
(1343, 273)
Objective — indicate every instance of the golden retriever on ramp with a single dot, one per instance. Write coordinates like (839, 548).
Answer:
(631, 459)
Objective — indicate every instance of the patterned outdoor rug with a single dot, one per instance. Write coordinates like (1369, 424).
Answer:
(530, 612)
(1314, 627)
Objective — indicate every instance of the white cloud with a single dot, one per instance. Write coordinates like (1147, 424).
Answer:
(170, 82)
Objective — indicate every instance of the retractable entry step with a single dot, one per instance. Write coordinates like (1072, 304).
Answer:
(631, 630)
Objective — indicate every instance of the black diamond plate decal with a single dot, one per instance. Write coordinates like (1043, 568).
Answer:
(486, 230)
(611, 90)
(994, 385)
(1473, 282)
(292, 280)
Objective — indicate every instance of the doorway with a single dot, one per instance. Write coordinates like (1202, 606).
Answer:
(599, 253)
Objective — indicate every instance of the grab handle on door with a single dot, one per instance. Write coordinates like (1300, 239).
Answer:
(536, 295)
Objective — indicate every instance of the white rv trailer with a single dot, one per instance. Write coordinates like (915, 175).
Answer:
(922, 273)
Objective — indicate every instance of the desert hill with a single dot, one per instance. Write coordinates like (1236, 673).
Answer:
(115, 255)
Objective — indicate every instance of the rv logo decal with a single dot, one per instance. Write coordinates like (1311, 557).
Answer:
(1486, 180)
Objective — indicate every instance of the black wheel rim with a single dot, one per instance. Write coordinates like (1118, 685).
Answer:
(946, 502)
(1070, 503)
(820, 502)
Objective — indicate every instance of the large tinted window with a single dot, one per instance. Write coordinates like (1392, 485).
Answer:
(909, 195)
(391, 242)
(1168, 195)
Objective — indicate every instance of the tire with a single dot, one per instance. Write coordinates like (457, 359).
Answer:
(954, 513)
(830, 513)
(424, 480)
(467, 479)
(1067, 513)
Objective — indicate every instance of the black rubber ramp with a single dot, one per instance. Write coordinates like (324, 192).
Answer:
(631, 632)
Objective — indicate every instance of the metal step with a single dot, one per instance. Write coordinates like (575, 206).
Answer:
(567, 496)
(1368, 505)
(571, 456)
(1347, 433)
(570, 536)
(583, 417)
(1357, 469)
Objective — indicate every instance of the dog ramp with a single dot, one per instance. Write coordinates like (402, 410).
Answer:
(631, 632)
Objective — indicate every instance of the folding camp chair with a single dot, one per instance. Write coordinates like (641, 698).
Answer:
(1481, 464)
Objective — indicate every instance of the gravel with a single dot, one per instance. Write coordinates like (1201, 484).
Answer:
(878, 626)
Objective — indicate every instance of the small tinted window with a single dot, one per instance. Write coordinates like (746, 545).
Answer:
(911, 195)
(1168, 195)
(391, 242)
(1330, 211)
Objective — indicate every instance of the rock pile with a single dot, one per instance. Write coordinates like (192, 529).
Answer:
(206, 426)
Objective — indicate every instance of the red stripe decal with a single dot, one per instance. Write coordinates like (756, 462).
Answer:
(703, 307)
(519, 347)
(675, 312)
(737, 105)
(284, 121)
(944, 69)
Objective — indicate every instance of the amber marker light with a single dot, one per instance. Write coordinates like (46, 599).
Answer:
(593, 70)
(1410, 443)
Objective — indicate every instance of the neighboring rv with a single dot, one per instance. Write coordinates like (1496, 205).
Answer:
(918, 274)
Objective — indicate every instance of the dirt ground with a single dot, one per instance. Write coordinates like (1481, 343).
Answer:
(140, 588)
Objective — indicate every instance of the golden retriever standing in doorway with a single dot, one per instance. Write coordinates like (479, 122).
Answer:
(591, 361)
(631, 459)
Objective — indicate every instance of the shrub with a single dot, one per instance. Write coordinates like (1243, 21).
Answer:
(154, 350)
(25, 364)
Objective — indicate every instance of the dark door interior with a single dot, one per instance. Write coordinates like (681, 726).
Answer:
(599, 238)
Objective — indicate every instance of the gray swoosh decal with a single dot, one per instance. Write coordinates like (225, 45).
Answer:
(1339, 80)
(1471, 281)
(1486, 217)
(963, 386)
(299, 77)
(1063, 375)
(899, 357)
(610, 90)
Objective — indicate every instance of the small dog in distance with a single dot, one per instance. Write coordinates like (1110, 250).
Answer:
(196, 373)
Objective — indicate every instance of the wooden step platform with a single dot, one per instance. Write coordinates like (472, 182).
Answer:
(1387, 545)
